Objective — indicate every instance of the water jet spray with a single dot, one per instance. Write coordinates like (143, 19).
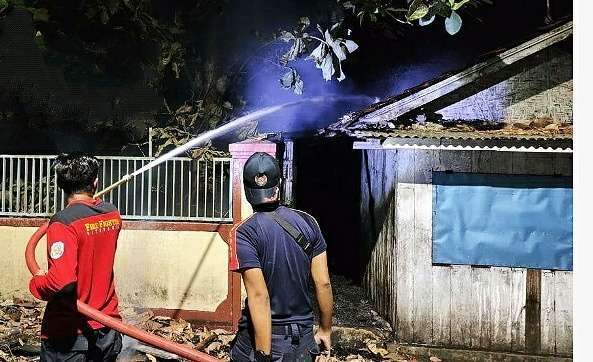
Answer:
(208, 135)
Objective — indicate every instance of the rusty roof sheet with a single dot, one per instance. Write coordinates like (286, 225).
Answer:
(541, 129)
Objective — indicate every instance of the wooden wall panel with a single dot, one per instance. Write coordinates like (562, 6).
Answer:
(464, 306)
(422, 233)
(518, 301)
(548, 317)
(464, 329)
(441, 305)
(563, 312)
(405, 200)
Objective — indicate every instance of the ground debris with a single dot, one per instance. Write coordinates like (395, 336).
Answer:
(352, 308)
(360, 334)
(214, 342)
(20, 323)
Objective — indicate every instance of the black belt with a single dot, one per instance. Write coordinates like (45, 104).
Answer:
(293, 330)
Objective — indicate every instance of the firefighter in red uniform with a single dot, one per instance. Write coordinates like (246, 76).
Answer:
(81, 244)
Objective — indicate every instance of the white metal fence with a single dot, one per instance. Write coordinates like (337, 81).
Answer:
(180, 189)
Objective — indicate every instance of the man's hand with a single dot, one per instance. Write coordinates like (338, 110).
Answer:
(40, 273)
(323, 339)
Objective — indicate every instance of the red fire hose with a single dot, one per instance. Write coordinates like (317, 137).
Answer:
(92, 313)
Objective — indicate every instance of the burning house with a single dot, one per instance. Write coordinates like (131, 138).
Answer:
(462, 190)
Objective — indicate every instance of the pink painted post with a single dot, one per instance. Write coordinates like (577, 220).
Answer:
(240, 152)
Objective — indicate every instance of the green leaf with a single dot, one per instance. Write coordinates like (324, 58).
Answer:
(350, 45)
(417, 10)
(286, 36)
(341, 76)
(323, 60)
(458, 5)
(453, 23)
(327, 67)
(426, 20)
(319, 53)
(304, 21)
(440, 8)
(297, 48)
(335, 46)
(349, 6)
(292, 80)
(330, 53)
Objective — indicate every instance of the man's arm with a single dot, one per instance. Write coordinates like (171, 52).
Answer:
(325, 299)
(258, 302)
(62, 258)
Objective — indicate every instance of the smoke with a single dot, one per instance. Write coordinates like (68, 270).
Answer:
(369, 76)
(262, 88)
(380, 68)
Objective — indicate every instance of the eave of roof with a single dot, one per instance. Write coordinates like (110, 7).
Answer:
(510, 145)
(416, 97)
(508, 132)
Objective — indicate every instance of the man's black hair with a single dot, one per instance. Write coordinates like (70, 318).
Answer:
(76, 173)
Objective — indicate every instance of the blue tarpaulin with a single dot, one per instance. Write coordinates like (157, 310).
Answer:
(502, 220)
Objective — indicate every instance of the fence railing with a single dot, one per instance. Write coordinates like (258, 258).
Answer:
(179, 189)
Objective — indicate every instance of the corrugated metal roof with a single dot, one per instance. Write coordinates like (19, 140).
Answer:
(468, 135)
(542, 129)
(563, 145)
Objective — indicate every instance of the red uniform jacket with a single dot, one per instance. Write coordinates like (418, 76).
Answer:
(81, 244)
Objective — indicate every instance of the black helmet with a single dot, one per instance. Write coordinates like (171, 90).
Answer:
(261, 176)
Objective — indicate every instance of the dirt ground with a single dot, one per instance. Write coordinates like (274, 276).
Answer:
(360, 334)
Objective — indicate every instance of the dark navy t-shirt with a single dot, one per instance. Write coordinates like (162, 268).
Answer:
(262, 243)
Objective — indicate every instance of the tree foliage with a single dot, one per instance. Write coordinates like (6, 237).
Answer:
(326, 49)
(332, 49)
(135, 40)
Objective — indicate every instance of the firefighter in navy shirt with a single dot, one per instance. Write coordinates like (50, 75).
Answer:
(81, 243)
(278, 251)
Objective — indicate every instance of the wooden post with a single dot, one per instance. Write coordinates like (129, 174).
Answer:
(533, 311)
(288, 173)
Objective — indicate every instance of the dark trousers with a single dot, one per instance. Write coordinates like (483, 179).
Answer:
(290, 343)
(97, 345)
